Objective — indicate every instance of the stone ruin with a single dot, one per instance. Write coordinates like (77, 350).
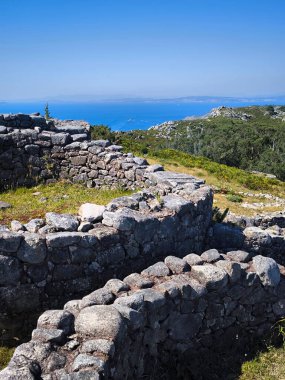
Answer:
(133, 290)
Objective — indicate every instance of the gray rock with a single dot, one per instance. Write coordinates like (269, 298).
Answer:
(9, 241)
(85, 227)
(240, 256)
(57, 319)
(258, 236)
(158, 270)
(176, 265)
(210, 256)
(154, 168)
(122, 220)
(267, 270)
(60, 138)
(34, 225)
(79, 137)
(193, 259)
(17, 226)
(90, 212)
(176, 203)
(152, 298)
(4, 228)
(4, 205)
(116, 286)
(81, 255)
(10, 271)
(114, 148)
(101, 143)
(62, 239)
(33, 249)
(211, 276)
(62, 222)
(101, 296)
(140, 161)
(3, 129)
(138, 281)
(100, 321)
(233, 269)
(81, 375)
(48, 335)
(83, 361)
(134, 301)
(135, 318)
(103, 346)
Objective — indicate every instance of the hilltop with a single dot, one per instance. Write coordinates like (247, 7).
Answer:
(250, 138)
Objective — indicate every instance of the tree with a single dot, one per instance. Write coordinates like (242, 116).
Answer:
(47, 113)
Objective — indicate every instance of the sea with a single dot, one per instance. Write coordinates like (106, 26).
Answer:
(122, 116)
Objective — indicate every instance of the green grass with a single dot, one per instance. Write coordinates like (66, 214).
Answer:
(268, 365)
(59, 197)
(5, 356)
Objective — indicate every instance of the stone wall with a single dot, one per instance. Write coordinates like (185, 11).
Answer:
(166, 322)
(264, 234)
(33, 149)
(45, 263)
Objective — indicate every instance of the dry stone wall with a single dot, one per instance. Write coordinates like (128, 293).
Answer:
(263, 234)
(165, 322)
(47, 262)
(33, 149)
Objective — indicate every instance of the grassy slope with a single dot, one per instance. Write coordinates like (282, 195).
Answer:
(59, 197)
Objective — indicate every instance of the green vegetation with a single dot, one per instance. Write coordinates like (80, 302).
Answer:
(5, 356)
(225, 174)
(269, 365)
(59, 197)
(218, 215)
(257, 143)
(225, 180)
(103, 132)
(234, 198)
(47, 113)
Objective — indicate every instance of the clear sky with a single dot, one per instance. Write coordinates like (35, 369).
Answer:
(141, 48)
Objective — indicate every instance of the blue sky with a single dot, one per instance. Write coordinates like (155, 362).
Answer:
(77, 49)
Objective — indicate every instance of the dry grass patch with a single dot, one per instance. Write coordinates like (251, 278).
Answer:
(226, 187)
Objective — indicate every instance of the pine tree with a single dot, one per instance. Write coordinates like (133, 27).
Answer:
(47, 114)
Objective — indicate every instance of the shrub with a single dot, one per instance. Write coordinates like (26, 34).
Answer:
(234, 198)
(102, 132)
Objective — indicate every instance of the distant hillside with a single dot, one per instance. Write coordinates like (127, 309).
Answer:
(250, 138)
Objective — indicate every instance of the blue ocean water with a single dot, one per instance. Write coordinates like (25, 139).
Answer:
(121, 116)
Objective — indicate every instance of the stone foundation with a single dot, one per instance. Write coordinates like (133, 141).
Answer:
(158, 323)
(48, 262)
